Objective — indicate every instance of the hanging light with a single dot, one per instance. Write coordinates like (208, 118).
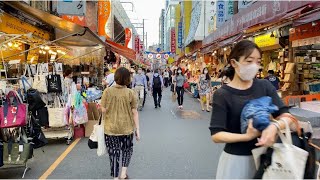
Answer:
(41, 47)
(59, 51)
(10, 44)
(272, 35)
(215, 52)
(47, 48)
(16, 45)
(43, 52)
(40, 51)
(225, 49)
(50, 51)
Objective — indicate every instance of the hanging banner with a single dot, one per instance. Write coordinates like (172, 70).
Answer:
(229, 9)
(75, 19)
(210, 14)
(105, 19)
(128, 39)
(220, 13)
(74, 8)
(180, 36)
(137, 44)
(173, 40)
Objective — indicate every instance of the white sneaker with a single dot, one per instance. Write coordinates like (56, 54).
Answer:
(181, 107)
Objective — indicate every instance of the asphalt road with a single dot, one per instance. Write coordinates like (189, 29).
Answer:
(174, 144)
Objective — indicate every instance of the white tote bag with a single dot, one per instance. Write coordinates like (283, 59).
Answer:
(40, 81)
(29, 78)
(99, 133)
(56, 114)
(288, 160)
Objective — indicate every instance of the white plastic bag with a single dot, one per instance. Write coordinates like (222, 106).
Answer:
(99, 131)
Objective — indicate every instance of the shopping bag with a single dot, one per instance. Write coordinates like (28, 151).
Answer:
(93, 139)
(56, 114)
(26, 82)
(102, 149)
(40, 81)
(16, 153)
(13, 114)
(80, 115)
(287, 160)
(186, 85)
(54, 83)
(174, 97)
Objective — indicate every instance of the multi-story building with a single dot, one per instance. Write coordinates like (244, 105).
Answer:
(169, 25)
(161, 29)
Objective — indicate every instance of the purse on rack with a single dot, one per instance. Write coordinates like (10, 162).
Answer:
(56, 114)
(16, 153)
(34, 100)
(42, 116)
(54, 82)
(40, 81)
(80, 115)
(35, 132)
(26, 82)
(15, 114)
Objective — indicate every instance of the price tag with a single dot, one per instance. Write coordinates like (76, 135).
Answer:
(20, 148)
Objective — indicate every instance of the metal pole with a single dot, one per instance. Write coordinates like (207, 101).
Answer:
(146, 40)
(143, 30)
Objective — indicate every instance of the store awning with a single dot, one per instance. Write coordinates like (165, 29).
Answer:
(81, 36)
(297, 12)
(307, 19)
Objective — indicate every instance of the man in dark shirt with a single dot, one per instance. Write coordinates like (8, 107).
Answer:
(273, 79)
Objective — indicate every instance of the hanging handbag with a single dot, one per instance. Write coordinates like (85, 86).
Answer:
(54, 82)
(35, 132)
(102, 149)
(56, 114)
(93, 139)
(34, 100)
(42, 116)
(27, 80)
(40, 81)
(13, 115)
(16, 153)
(80, 115)
(286, 160)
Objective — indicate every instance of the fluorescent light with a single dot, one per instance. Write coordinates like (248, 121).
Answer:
(59, 51)
(10, 44)
(47, 48)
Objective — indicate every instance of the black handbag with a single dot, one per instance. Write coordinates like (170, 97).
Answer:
(94, 144)
(42, 116)
(54, 82)
(35, 132)
(34, 100)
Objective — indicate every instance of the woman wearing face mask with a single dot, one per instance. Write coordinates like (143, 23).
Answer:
(179, 80)
(204, 87)
(236, 161)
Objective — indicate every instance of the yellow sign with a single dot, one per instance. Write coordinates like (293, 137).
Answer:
(266, 40)
(170, 60)
(12, 25)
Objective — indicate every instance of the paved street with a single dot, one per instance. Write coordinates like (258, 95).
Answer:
(174, 144)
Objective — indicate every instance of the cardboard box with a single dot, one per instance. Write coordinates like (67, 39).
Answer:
(289, 78)
(289, 68)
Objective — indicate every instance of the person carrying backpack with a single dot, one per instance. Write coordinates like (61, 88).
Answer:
(156, 86)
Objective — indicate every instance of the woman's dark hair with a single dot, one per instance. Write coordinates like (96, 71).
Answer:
(207, 75)
(179, 68)
(122, 76)
(242, 48)
(67, 72)
(106, 70)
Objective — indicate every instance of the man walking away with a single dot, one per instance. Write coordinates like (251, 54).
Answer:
(170, 76)
(139, 83)
(156, 85)
(166, 78)
(273, 79)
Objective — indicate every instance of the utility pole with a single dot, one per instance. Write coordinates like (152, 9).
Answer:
(146, 40)
(143, 30)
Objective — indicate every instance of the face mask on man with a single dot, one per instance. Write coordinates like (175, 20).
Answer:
(179, 71)
(205, 71)
(247, 72)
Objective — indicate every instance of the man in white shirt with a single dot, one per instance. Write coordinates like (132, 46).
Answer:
(109, 78)
(166, 78)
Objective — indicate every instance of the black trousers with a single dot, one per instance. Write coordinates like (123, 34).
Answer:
(119, 145)
(144, 97)
(180, 92)
(157, 95)
(166, 82)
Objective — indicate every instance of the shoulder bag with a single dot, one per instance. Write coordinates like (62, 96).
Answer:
(93, 139)
(40, 81)
(56, 114)
(54, 82)
(80, 115)
(28, 80)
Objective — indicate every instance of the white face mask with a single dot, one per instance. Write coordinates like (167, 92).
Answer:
(205, 71)
(179, 71)
(247, 72)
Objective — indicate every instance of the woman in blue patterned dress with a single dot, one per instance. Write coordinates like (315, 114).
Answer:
(204, 87)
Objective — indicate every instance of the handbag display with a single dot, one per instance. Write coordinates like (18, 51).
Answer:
(54, 82)
(26, 82)
(35, 132)
(56, 114)
(16, 153)
(40, 81)
(42, 116)
(34, 100)
(15, 114)
(80, 115)
(286, 160)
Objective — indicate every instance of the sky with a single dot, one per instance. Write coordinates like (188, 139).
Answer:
(149, 10)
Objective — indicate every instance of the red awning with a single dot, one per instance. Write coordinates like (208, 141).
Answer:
(122, 50)
(296, 13)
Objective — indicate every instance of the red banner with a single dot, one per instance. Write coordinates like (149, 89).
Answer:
(104, 13)
(128, 34)
(137, 44)
(173, 40)
(305, 31)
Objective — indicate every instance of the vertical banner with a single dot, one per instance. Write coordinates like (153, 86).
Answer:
(173, 40)
(105, 24)
(220, 13)
(229, 9)
(136, 44)
(210, 13)
(180, 37)
(128, 39)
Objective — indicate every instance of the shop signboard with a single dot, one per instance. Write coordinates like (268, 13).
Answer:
(128, 38)
(180, 44)
(150, 56)
(69, 7)
(158, 56)
(210, 14)
(137, 44)
(12, 25)
(173, 40)
(220, 12)
(105, 24)
(75, 19)
(305, 31)
(229, 9)
(265, 40)
(243, 4)
(166, 56)
(259, 12)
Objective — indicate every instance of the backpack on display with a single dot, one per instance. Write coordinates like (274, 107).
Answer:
(156, 82)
